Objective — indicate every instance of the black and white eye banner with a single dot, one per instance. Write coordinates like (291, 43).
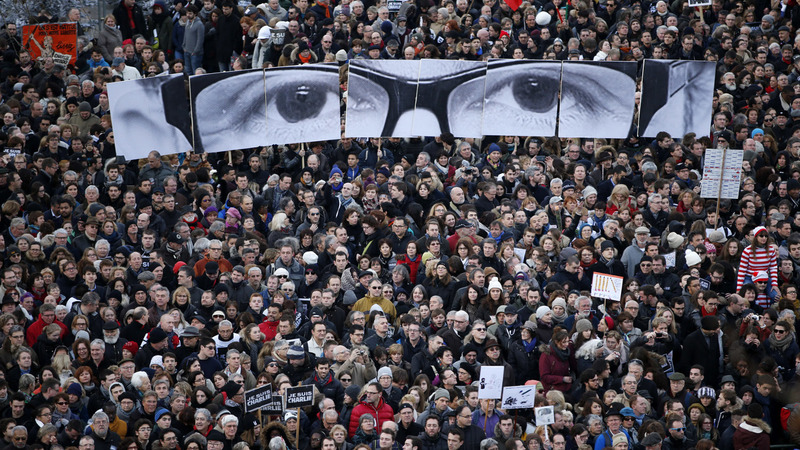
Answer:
(381, 98)
(521, 98)
(229, 110)
(150, 114)
(597, 99)
(677, 97)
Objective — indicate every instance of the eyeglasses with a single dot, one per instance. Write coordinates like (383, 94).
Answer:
(777, 331)
(62, 403)
(479, 329)
(678, 429)
(345, 380)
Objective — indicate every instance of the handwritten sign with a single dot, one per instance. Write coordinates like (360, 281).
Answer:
(57, 40)
(518, 397)
(299, 397)
(257, 398)
(729, 170)
(606, 286)
(491, 382)
(697, 3)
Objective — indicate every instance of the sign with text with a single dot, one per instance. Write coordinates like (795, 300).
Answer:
(58, 40)
(698, 3)
(299, 397)
(257, 398)
(518, 397)
(722, 179)
(491, 382)
(275, 406)
(606, 286)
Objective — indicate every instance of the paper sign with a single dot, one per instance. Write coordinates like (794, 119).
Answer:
(696, 3)
(299, 397)
(730, 172)
(545, 415)
(606, 286)
(491, 382)
(670, 259)
(12, 152)
(59, 40)
(518, 397)
(705, 284)
(275, 407)
(257, 398)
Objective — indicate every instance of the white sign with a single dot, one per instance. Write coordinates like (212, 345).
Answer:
(696, 3)
(491, 382)
(545, 415)
(606, 286)
(730, 172)
(518, 397)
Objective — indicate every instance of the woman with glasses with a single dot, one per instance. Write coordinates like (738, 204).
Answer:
(780, 345)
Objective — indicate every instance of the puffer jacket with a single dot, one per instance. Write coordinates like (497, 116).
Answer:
(382, 413)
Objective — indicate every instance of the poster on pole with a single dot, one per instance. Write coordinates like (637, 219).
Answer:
(299, 397)
(275, 406)
(545, 415)
(257, 398)
(518, 397)
(58, 40)
(729, 171)
(698, 3)
(491, 382)
(606, 286)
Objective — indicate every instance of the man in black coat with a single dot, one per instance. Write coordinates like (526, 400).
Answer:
(704, 347)
(229, 35)
(128, 12)
(473, 435)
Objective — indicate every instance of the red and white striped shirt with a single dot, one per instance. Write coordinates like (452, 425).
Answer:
(755, 260)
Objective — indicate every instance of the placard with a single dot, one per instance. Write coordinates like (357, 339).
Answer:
(257, 398)
(275, 406)
(11, 151)
(518, 397)
(697, 3)
(545, 415)
(730, 172)
(394, 5)
(299, 397)
(606, 286)
(491, 382)
(705, 284)
(58, 40)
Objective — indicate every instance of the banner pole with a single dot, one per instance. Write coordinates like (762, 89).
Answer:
(486, 416)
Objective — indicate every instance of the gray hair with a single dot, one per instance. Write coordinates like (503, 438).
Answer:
(202, 244)
(27, 380)
(592, 418)
(102, 243)
(17, 221)
(228, 418)
(203, 412)
(277, 443)
(92, 188)
(98, 342)
(99, 415)
(231, 352)
(138, 378)
(487, 443)
(462, 315)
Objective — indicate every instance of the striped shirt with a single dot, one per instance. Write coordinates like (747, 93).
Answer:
(755, 260)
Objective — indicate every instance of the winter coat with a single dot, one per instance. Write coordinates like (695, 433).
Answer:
(553, 369)
(330, 386)
(752, 433)
(382, 413)
(124, 22)
(525, 363)
(229, 37)
(107, 39)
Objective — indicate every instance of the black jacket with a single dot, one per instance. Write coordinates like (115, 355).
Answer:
(123, 21)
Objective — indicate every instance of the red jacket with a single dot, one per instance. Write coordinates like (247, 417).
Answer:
(383, 413)
(37, 328)
(413, 266)
(269, 328)
(552, 371)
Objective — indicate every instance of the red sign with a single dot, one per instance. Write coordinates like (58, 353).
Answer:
(59, 40)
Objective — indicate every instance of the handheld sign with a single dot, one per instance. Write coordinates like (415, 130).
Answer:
(491, 382)
(299, 397)
(606, 286)
(275, 406)
(545, 415)
(257, 398)
(518, 397)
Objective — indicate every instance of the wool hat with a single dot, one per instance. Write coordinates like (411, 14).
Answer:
(709, 323)
(760, 229)
(560, 302)
(85, 107)
(542, 311)
(441, 393)
(761, 276)
(692, 258)
(157, 335)
(619, 438)
(218, 436)
(583, 325)
(706, 391)
(589, 190)
(384, 372)
(156, 360)
(606, 245)
(352, 391)
(296, 352)
(675, 240)
(281, 272)
(494, 284)
(75, 389)
(651, 440)
(716, 236)
(132, 347)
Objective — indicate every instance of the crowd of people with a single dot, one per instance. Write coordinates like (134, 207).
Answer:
(140, 300)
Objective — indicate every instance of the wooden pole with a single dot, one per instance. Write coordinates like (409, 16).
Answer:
(297, 431)
(486, 416)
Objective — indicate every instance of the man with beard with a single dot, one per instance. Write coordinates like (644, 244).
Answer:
(113, 341)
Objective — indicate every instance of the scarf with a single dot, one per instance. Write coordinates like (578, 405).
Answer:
(782, 344)
(304, 59)
(530, 346)
(560, 319)
(590, 263)
(126, 417)
(345, 203)
(129, 12)
(563, 355)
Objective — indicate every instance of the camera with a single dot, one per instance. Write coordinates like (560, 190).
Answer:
(755, 317)
(660, 334)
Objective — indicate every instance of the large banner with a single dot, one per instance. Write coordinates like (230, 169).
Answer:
(59, 40)
(677, 97)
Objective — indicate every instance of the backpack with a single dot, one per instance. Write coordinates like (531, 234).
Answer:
(787, 411)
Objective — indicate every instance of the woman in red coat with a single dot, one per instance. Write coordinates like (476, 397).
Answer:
(557, 364)
(412, 259)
